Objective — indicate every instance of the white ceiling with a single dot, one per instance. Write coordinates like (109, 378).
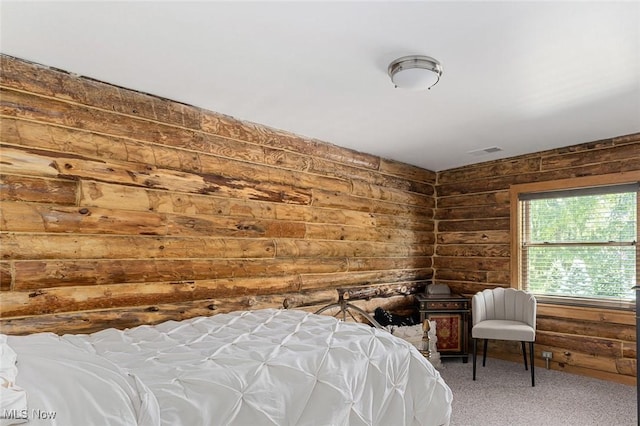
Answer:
(522, 76)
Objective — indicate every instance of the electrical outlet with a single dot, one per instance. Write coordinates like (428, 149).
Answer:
(547, 355)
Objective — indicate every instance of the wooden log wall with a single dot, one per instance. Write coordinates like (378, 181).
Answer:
(473, 252)
(119, 208)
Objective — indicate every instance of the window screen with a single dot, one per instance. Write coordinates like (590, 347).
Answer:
(580, 242)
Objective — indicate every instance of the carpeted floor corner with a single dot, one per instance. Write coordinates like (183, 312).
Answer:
(502, 396)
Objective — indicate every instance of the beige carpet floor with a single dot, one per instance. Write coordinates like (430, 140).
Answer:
(502, 396)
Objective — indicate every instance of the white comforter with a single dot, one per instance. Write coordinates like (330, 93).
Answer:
(265, 367)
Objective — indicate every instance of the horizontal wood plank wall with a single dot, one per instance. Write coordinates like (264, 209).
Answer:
(472, 251)
(119, 208)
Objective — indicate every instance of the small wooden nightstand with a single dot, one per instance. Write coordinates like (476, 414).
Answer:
(451, 314)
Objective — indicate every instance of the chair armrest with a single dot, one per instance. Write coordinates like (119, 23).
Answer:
(478, 308)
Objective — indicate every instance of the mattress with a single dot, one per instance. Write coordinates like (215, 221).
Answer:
(263, 367)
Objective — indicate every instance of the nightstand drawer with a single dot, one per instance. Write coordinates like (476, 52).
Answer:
(444, 305)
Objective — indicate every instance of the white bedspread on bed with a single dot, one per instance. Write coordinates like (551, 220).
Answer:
(67, 386)
(275, 367)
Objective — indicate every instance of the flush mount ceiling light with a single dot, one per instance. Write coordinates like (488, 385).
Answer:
(415, 72)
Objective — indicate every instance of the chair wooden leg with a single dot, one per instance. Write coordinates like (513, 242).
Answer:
(533, 377)
(524, 354)
(475, 353)
(484, 352)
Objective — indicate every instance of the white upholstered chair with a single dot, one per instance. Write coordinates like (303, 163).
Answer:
(504, 314)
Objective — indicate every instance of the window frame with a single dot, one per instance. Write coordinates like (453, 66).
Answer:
(565, 184)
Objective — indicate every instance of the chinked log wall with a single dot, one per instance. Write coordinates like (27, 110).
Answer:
(473, 252)
(120, 208)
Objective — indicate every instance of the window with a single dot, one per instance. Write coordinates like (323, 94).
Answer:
(578, 245)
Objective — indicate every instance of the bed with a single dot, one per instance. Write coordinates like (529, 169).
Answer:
(262, 367)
